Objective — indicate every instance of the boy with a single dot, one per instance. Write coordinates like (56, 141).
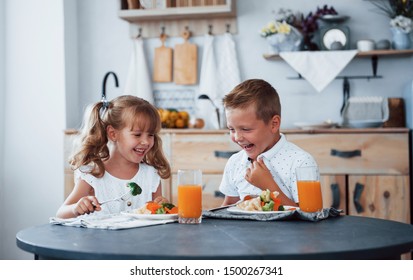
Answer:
(267, 160)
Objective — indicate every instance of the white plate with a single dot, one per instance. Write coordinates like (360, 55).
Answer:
(304, 125)
(236, 210)
(151, 216)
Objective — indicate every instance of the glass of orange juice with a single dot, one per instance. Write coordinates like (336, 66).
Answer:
(190, 196)
(309, 189)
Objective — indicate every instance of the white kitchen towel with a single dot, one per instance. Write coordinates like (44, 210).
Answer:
(229, 72)
(228, 69)
(208, 84)
(138, 81)
(319, 68)
(112, 221)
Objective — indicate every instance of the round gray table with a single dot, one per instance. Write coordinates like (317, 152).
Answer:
(344, 237)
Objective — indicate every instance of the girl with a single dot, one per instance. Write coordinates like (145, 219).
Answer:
(119, 144)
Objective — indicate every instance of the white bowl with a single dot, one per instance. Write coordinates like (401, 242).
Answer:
(365, 45)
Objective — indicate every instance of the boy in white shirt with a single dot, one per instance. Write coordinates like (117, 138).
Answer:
(267, 160)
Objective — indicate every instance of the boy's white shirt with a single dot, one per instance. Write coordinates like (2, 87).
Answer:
(282, 160)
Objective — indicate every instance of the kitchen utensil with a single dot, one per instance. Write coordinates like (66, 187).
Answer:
(397, 114)
(231, 205)
(224, 207)
(162, 68)
(123, 197)
(185, 62)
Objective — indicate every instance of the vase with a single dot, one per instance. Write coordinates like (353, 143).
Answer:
(400, 40)
(281, 42)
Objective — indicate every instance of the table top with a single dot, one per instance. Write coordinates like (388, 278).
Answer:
(344, 237)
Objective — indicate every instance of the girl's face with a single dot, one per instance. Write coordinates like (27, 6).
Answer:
(133, 144)
(252, 135)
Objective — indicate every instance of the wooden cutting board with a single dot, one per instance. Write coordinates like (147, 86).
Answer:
(162, 68)
(185, 62)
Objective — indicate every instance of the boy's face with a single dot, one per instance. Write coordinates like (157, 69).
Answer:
(252, 135)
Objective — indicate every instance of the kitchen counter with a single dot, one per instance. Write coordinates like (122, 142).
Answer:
(286, 130)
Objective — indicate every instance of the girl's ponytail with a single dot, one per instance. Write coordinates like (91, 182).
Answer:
(92, 149)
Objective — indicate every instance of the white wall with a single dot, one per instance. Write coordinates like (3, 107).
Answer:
(57, 53)
(34, 113)
(2, 98)
(105, 45)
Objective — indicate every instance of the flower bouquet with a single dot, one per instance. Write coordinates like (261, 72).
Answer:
(281, 36)
(403, 23)
(400, 13)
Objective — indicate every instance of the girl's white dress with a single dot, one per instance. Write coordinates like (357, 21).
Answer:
(108, 187)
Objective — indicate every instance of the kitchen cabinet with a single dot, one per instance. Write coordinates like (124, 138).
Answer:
(365, 172)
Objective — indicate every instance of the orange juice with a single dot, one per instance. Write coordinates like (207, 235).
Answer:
(309, 195)
(189, 201)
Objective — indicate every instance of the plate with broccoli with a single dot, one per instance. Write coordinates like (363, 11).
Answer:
(154, 211)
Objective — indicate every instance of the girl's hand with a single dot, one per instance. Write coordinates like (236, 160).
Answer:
(160, 200)
(259, 175)
(86, 205)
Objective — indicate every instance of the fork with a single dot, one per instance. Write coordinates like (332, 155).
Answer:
(123, 197)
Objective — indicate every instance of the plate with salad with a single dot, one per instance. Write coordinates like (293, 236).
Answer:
(154, 211)
(236, 210)
(266, 203)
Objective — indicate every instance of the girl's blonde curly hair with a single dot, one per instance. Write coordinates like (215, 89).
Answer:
(91, 147)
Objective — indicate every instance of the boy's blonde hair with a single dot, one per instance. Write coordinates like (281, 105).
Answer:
(123, 111)
(258, 93)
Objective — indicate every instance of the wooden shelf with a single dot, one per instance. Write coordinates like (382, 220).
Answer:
(203, 12)
(360, 54)
(218, 17)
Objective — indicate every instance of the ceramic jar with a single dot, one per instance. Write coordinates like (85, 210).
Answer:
(400, 40)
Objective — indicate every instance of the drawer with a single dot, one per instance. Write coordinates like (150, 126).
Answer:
(190, 151)
(211, 197)
(357, 153)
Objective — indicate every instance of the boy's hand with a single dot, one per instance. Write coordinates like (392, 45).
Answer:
(160, 200)
(86, 205)
(259, 175)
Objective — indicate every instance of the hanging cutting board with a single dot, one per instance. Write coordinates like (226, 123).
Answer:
(185, 62)
(162, 68)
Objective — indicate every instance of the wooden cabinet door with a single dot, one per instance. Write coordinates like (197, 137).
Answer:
(189, 151)
(385, 197)
(333, 189)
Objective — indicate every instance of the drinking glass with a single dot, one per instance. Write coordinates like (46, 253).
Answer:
(309, 189)
(190, 196)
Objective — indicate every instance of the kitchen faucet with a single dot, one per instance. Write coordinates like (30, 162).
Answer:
(104, 100)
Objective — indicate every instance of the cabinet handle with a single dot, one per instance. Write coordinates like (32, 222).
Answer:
(345, 154)
(356, 199)
(224, 154)
(336, 196)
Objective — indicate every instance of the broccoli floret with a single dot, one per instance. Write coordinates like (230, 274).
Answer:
(269, 206)
(168, 205)
(134, 188)
(160, 210)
